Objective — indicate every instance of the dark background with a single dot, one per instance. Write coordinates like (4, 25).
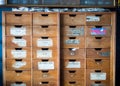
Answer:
(117, 45)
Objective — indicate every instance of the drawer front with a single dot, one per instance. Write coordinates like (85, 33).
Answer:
(45, 30)
(74, 83)
(102, 31)
(18, 41)
(44, 64)
(72, 19)
(74, 63)
(98, 19)
(18, 53)
(49, 74)
(18, 64)
(14, 76)
(70, 2)
(45, 53)
(45, 18)
(18, 83)
(73, 53)
(45, 42)
(98, 42)
(77, 74)
(18, 18)
(73, 31)
(77, 42)
(98, 83)
(45, 82)
(98, 53)
(18, 30)
(98, 63)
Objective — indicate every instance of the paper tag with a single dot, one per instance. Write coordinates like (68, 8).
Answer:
(19, 53)
(73, 65)
(98, 85)
(44, 42)
(72, 41)
(19, 64)
(20, 42)
(92, 18)
(98, 31)
(44, 53)
(46, 65)
(97, 76)
(23, 84)
(104, 53)
(16, 31)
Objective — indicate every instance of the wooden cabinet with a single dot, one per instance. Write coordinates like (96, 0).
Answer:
(59, 48)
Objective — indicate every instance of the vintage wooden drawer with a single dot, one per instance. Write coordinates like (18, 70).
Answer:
(20, 64)
(44, 64)
(98, 53)
(73, 31)
(101, 31)
(98, 75)
(98, 42)
(95, 63)
(45, 42)
(45, 74)
(18, 41)
(76, 42)
(74, 83)
(74, 63)
(42, 18)
(45, 53)
(98, 83)
(72, 18)
(14, 76)
(18, 53)
(18, 83)
(77, 74)
(45, 30)
(73, 53)
(20, 18)
(45, 82)
(70, 2)
(18, 30)
(98, 18)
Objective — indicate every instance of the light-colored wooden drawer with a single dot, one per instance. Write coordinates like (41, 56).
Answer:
(95, 63)
(18, 53)
(42, 18)
(18, 83)
(74, 83)
(45, 30)
(18, 64)
(45, 53)
(73, 31)
(98, 53)
(73, 53)
(18, 30)
(18, 41)
(21, 18)
(98, 42)
(102, 31)
(14, 76)
(98, 18)
(71, 18)
(76, 42)
(74, 63)
(45, 42)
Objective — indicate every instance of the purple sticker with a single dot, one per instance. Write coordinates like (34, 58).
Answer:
(98, 31)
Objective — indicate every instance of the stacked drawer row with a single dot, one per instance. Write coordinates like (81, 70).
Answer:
(73, 49)
(45, 49)
(18, 37)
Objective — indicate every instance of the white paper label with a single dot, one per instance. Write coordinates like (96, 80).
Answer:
(44, 53)
(45, 65)
(44, 42)
(18, 84)
(20, 42)
(18, 64)
(73, 65)
(19, 53)
(16, 31)
(97, 76)
(92, 18)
